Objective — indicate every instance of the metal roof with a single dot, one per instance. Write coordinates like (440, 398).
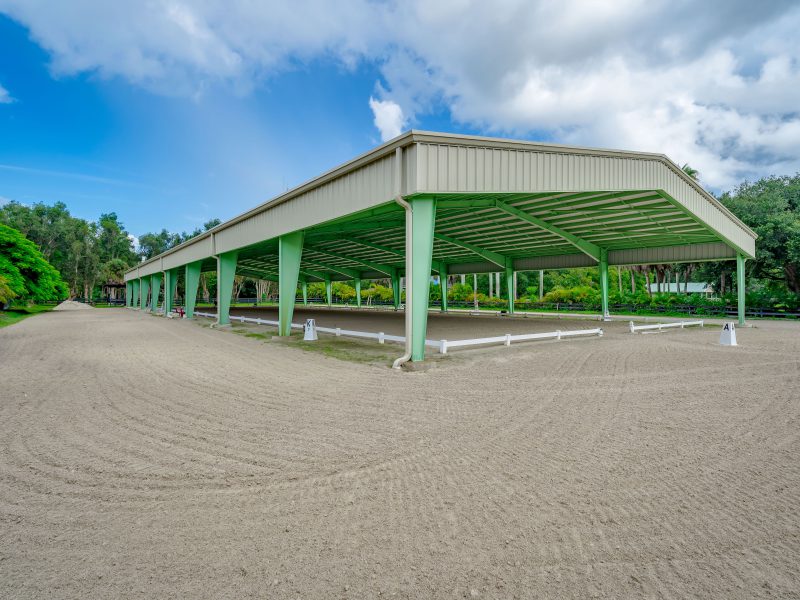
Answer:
(539, 205)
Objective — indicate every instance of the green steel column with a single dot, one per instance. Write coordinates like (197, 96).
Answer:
(127, 294)
(604, 283)
(192, 283)
(135, 297)
(305, 293)
(328, 290)
(156, 291)
(290, 251)
(144, 290)
(423, 215)
(510, 287)
(226, 271)
(357, 282)
(443, 284)
(396, 289)
(174, 285)
(740, 287)
(169, 290)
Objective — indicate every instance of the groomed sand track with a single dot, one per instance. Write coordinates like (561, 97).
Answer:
(141, 457)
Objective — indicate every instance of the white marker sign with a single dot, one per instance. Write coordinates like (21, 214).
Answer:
(310, 331)
(728, 336)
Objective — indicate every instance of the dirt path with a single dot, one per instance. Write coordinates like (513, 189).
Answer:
(144, 457)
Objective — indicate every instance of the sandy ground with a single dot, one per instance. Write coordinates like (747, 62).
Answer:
(145, 457)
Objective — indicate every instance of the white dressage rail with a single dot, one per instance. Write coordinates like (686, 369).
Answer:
(660, 326)
(506, 339)
(442, 345)
(337, 331)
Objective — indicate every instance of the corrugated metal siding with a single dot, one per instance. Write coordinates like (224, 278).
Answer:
(567, 261)
(366, 187)
(683, 193)
(460, 169)
(197, 251)
(472, 267)
(670, 254)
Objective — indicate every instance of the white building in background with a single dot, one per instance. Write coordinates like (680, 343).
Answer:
(684, 288)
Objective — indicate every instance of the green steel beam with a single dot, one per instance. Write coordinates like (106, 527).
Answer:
(374, 266)
(572, 200)
(317, 274)
(588, 248)
(358, 226)
(495, 257)
(451, 203)
(370, 213)
(226, 271)
(705, 225)
(290, 253)
(374, 246)
(350, 273)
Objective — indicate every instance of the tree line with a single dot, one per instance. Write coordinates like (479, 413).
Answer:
(86, 254)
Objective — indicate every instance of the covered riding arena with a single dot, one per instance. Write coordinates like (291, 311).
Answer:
(427, 204)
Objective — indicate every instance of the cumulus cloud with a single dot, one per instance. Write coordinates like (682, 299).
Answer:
(5, 97)
(715, 84)
(134, 241)
(389, 118)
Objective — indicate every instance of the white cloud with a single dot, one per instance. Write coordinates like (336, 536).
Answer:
(389, 118)
(5, 97)
(715, 84)
(135, 241)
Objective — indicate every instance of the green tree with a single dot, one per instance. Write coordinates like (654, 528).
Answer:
(153, 244)
(24, 270)
(113, 242)
(77, 248)
(771, 208)
(690, 171)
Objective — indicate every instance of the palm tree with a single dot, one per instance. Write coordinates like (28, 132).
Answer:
(691, 172)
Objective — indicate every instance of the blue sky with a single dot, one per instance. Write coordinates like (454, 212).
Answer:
(102, 145)
(173, 112)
